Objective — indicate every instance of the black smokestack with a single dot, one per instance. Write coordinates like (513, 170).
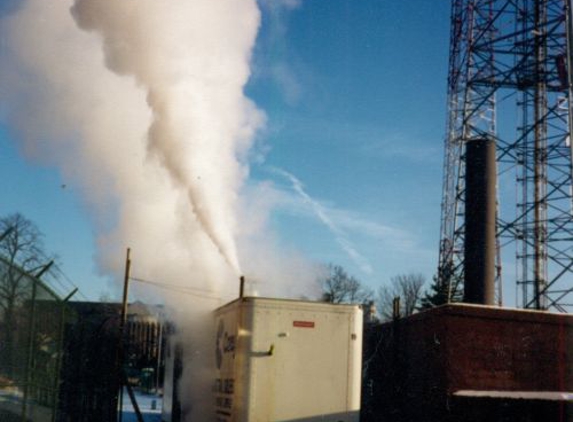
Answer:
(480, 216)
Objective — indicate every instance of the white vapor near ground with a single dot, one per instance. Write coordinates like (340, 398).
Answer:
(141, 106)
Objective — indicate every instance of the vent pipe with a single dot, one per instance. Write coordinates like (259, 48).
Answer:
(480, 222)
(242, 286)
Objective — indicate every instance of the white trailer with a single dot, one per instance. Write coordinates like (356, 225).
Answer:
(286, 360)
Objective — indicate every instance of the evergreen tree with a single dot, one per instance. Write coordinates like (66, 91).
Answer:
(446, 287)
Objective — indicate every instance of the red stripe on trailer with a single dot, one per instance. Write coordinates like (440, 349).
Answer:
(303, 324)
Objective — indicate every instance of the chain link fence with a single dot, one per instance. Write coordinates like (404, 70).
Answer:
(32, 320)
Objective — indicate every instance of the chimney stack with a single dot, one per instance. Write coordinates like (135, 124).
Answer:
(480, 222)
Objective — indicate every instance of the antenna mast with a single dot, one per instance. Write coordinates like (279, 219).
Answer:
(508, 82)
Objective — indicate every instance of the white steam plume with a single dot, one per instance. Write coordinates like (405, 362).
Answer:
(192, 60)
(140, 103)
(162, 137)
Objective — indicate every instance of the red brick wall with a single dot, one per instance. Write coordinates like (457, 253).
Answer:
(414, 365)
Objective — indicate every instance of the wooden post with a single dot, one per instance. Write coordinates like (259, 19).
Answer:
(125, 289)
(121, 333)
(241, 286)
(396, 308)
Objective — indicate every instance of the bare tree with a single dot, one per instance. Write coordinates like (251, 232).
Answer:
(22, 250)
(339, 287)
(21, 242)
(407, 287)
(21, 254)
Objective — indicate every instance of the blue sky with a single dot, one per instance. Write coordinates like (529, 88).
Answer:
(355, 99)
(364, 134)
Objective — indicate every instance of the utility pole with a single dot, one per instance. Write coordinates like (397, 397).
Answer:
(125, 291)
(121, 349)
(122, 322)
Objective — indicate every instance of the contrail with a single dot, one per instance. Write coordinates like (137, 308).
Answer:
(322, 214)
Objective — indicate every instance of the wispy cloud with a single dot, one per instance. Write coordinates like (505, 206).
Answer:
(349, 221)
(276, 61)
(287, 4)
(323, 215)
(377, 244)
(286, 80)
(353, 222)
(410, 148)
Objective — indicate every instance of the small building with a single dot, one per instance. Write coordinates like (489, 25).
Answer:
(90, 376)
(463, 362)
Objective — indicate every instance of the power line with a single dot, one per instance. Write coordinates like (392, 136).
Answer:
(181, 289)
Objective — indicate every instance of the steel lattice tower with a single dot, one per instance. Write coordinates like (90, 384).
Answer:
(509, 82)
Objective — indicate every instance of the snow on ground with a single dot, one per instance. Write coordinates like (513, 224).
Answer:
(149, 405)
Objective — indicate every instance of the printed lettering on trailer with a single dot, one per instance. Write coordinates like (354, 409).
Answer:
(223, 388)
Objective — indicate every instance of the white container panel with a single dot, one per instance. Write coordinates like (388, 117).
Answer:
(288, 361)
